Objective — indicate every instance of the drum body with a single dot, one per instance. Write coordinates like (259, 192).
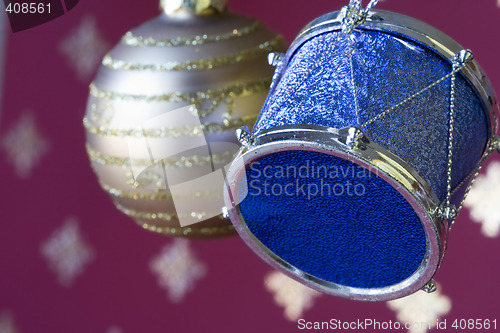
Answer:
(341, 181)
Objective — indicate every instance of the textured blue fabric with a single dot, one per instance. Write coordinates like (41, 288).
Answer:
(318, 88)
(332, 219)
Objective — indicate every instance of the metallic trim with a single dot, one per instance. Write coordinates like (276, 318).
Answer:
(430, 287)
(274, 58)
(372, 156)
(353, 137)
(447, 211)
(245, 137)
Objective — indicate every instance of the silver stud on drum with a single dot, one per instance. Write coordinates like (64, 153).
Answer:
(225, 212)
(430, 287)
(447, 212)
(496, 143)
(464, 57)
(245, 137)
(353, 137)
(275, 58)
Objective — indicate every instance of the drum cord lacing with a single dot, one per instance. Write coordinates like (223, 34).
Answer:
(446, 210)
(418, 93)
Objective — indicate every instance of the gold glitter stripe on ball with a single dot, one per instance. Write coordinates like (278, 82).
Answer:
(155, 196)
(198, 64)
(187, 231)
(181, 162)
(132, 40)
(133, 195)
(173, 132)
(225, 94)
(163, 216)
(237, 90)
(144, 215)
(176, 132)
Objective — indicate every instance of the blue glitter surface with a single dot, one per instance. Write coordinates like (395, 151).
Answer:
(332, 219)
(318, 88)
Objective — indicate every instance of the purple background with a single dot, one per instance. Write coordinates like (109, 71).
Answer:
(117, 288)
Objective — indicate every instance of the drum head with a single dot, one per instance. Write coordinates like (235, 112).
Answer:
(348, 224)
(332, 219)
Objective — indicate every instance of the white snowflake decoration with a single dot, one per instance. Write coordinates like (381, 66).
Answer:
(177, 269)
(66, 252)
(483, 201)
(24, 145)
(290, 294)
(7, 323)
(84, 48)
(421, 311)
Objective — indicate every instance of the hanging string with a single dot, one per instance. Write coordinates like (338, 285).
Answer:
(371, 4)
(355, 14)
(357, 5)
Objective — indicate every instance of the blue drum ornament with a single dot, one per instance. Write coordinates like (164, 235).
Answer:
(374, 129)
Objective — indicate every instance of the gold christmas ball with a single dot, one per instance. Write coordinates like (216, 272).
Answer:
(163, 109)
